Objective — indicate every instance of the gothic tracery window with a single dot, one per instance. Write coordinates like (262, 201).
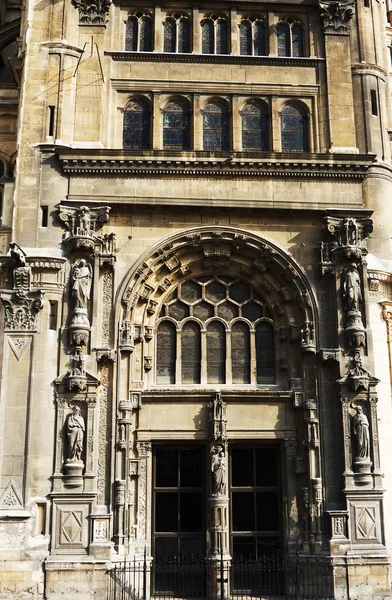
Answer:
(212, 330)
(255, 127)
(216, 127)
(294, 129)
(176, 126)
(138, 33)
(176, 34)
(136, 125)
(252, 37)
(214, 35)
(290, 39)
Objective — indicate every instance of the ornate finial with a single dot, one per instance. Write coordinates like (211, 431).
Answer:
(92, 12)
(335, 16)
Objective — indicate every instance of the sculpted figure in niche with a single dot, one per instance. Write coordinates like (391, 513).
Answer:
(81, 284)
(361, 432)
(352, 294)
(84, 218)
(218, 468)
(75, 435)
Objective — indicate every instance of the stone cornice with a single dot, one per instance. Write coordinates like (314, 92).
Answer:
(221, 59)
(205, 164)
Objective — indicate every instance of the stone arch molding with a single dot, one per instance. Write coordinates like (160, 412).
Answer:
(226, 251)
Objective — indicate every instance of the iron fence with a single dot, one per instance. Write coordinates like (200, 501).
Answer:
(272, 577)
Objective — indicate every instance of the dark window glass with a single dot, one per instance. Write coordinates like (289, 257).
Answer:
(146, 35)
(190, 353)
(245, 38)
(243, 511)
(254, 128)
(221, 37)
(191, 512)
(266, 467)
(207, 36)
(131, 34)
(242, 473)
(166, 511)
(166, 352)
(176, 125)
(183, 30)
(265, 353)
(294, 126)
(240, 353)
(267, 504)
(283, 33)
(136, 127)
(297, 40)
(169, 34)
(191, 465)
(216, 127)
(166, 465)
(216, 352)
(243, 547)
(259, 39)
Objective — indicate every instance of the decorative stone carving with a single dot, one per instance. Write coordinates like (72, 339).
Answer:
(107, 254)
(83, 222)
(18, 345)
(127, 341)
(81, 283)
(147, 361)
(335, 16)
(75, 432)
(217, 418)
(21, 310)
(10, 497)
(21, 272)
(351, 288)
(357, 377)
(329, 354)
(347, 235)
(360, 424)
(338, 524)
(307, 338)
(326, 264)
(218, 469)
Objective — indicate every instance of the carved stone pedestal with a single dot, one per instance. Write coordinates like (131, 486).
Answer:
(79, 327)
(219, 540)
(355, 331)
(73, 473)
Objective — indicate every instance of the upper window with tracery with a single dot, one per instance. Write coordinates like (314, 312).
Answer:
(176, 126)
(216, 127)
(139, 33)
(290, 39)
(176, 34)
(213, 330)
(214, 35)
(252, 37)
(294, 129)
(136, 125)
(255, 127)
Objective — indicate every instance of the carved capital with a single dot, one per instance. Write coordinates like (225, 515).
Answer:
(347, 236)
(83, 223)
(92, 12)
(335, 16)
(21, 309)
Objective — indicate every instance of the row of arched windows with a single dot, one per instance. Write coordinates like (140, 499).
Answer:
(255, 126)
(215, 35)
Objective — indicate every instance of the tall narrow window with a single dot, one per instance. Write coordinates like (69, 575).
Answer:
(176, 34)
(176, 126)
(216, 127)
(190, 353)
(240, 353)
(207, 36)
(221, 36)
(131, 34)
(214, 35)
(166, 352)
(255, 127)
(145, 34)
(183, 36)
(290, 39)
(252, 37)
(138, 33)
(294, 128)
(265, 355)
(216, 352)
(136, 128)
(169, 44)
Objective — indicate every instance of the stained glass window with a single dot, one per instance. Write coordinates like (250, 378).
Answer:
(190, 353)
(283, 33)
(245, 38)
(169, 34)
(297, 40)
(259, 38)
(183, 31)
(216, 352)
(216, 127)
(255, 127)
(131, 34)
(145, 35)
(294, 128)
(176, 126)
(136, 127)
(265, 355)
(166, 352)
(221, 36)
(207, 36)
(240, 353)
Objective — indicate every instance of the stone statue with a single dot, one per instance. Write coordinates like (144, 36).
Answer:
(352, 294)
(84, 221)
(218, 468)
(75, 435)
(361, 432)
(81, 283)
(17, 255)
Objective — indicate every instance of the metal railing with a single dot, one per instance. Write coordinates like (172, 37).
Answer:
(272, 577)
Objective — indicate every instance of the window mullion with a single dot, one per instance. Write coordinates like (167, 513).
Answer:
(228, 362)
(178, 356)
(203, 374)
(253, 363)
(138, 35)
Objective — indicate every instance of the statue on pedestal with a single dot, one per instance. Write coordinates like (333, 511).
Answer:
(218, 468)
(75, 429)
(81, 283)
(362, 437)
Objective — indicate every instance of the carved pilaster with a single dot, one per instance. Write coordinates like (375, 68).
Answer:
(144, 454)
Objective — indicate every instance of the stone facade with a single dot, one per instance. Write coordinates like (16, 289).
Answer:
(196, 277)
